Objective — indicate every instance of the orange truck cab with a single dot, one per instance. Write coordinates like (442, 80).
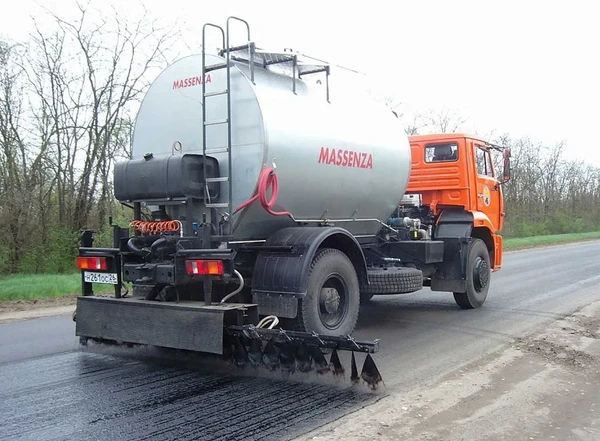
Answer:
(453, 175)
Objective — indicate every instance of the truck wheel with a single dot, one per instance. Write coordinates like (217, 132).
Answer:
(397, 280)
(333, 297)
(478, 277)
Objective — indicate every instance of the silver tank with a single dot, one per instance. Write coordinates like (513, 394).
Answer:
(340, 160)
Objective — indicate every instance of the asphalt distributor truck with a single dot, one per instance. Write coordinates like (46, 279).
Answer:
(265, 212)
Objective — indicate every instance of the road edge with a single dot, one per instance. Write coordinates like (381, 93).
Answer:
(29, 314)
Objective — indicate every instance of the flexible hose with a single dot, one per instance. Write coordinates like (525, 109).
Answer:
(133, 247)
(156, 227)
(239, 288)
(266, 320)
(267, 179)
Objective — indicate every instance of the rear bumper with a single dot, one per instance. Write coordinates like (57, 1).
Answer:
(186, 325)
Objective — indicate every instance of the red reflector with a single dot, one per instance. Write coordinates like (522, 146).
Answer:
(92, 263)
(204, 267)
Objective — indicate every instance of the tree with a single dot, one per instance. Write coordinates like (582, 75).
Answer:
(66, 102)
(443, 120)
(86, 76)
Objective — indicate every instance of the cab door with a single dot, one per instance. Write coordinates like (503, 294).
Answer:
(489, 196)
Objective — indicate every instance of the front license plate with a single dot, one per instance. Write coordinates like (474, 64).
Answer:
(108, 278)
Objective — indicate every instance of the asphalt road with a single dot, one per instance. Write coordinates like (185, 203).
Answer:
(53, 390)
(426, 334)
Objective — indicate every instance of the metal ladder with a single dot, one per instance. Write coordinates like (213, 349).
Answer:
(206, 69)
(254, 57)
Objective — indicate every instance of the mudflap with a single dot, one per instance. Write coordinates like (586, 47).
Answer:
(186, 325)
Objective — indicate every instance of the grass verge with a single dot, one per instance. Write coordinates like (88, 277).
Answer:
(520, 243)
(43, 286)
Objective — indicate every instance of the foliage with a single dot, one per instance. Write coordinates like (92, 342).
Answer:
(66, 100)
(37, 286)
(552, 239)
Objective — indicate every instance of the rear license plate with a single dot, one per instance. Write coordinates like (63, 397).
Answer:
(108, 278)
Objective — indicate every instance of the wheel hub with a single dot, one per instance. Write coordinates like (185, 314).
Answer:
(330, 300)
(481, 275)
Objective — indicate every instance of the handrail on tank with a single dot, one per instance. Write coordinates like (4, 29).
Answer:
(204, 35)
(250, 44)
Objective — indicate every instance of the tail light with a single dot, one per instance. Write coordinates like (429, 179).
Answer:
(204, 267)
(92, 263)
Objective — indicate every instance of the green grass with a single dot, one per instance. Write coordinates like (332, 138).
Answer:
(38, 286)
(519, 243)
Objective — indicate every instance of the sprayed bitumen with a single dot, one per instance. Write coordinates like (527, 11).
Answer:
(129, 395)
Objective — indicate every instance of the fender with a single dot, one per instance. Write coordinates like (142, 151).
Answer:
(453, 224)
(481, 219)
(454, 228)
(280, 275)
(484, 230)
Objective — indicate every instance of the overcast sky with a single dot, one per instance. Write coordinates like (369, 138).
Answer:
(529, 68)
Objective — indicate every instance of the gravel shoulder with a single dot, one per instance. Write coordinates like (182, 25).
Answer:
(544, 386)
(17, 310)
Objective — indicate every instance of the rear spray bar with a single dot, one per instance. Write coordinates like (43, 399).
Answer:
(344, 343)
(291, 349)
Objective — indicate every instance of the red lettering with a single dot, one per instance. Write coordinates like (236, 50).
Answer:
(323, 155)
(191, 81)
(345, 158)
(332, 157)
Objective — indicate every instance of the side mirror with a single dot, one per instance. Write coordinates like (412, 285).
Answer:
(506, 171)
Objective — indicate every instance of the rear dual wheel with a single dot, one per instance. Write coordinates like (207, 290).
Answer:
(332, 301)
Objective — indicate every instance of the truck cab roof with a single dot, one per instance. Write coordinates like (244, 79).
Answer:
(444, 136)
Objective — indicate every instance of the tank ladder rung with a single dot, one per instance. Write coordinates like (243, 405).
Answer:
(216, 121)
(220, 179)
(239, 48)
(216, 93)
(214, 67)
(215, 151)
(217, 205)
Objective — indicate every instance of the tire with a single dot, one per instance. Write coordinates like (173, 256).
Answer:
(332, 301)
(402, 280)
(479, 274)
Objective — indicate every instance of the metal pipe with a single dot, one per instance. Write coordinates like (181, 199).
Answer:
(312, 221)
(423, 234)
(237, 290)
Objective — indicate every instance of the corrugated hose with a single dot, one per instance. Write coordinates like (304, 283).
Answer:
(267, 179)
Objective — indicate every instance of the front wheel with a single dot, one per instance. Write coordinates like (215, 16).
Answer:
(479, 274)
(332, 301)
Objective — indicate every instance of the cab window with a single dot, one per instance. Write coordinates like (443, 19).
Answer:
(484, 162)
(441, 153)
